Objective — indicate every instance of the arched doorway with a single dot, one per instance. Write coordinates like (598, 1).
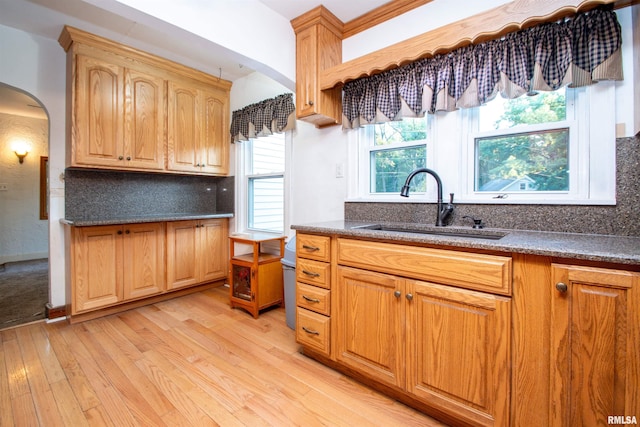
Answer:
(24, 225)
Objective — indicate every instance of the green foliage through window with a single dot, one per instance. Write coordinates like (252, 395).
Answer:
(402, 149)
(525, 161)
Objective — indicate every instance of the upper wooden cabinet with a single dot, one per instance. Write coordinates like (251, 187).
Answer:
(198, 120)
(318, 47)
(119, 116)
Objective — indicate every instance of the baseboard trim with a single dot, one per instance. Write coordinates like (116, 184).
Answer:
(52, 312)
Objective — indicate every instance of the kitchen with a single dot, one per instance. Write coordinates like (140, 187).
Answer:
(316, 151)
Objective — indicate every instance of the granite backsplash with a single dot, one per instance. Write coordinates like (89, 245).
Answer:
(623, 219)
(98, 194)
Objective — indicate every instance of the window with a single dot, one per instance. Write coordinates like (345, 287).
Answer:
(550, 148)
(392, 150)
(524, 144)
(264, 165)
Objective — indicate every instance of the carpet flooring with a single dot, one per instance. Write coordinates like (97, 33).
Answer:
(24, 292)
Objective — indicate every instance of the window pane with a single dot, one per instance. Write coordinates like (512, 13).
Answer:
(267, 154)
(266, 204)
(535, 161)
(390, 168)
(410, 129)
(545, 107)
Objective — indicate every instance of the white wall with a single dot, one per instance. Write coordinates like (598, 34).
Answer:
(37, 66)
(628, 90)
(317, 194)
(23, 235)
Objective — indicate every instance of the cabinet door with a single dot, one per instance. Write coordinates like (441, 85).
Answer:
(183, 127)
(213, 249)
(595, 356)
(144, 121)
(182, 254)
(144, 272)
(458, 348)
(98, 113)
(306, 71)
(97, 267)
(214, 150)
(371, 323)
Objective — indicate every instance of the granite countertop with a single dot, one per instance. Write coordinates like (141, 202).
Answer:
(592, 247)
(137, 219)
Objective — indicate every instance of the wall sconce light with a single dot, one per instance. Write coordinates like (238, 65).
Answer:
(21, 149)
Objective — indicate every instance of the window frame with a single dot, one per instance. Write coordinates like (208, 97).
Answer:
(366, 146)
(244, 154)
(451, 153)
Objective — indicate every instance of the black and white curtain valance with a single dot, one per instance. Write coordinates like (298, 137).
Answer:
(264, 118)
(577, 52)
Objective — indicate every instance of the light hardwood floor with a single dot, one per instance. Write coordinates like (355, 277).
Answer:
(189, 361)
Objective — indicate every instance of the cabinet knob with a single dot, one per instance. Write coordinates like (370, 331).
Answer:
(119, 231)
(127, 232)
(397, 294)
(310, 102)
(409, 297)
(128, 157)
(120, 157)
(561, 287)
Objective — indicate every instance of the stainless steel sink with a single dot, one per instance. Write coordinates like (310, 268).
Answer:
(452, 232)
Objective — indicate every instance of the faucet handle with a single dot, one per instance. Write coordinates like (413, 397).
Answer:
(477, 222)
(450, 198)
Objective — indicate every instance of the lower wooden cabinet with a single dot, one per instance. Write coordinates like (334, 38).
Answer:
(196, 252)
(114, 263)
(371, 320)
(595, 345)
(458, 351)
(478, 339)
(448, 347)
(111, 265)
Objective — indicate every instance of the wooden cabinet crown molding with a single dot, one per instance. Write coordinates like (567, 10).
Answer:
(71, 35)
(318, 15)
(491, 24)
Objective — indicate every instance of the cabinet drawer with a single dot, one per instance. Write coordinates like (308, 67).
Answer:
(313, 272)
(313, 298)
(313, 247)
(491, 273)
(313, 330)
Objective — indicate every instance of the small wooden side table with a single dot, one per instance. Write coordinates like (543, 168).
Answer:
(255, 279)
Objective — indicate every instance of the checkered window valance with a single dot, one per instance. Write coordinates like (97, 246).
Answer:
(577, 52)
(264, 118)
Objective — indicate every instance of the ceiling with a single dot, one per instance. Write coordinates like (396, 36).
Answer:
(47, 17)
(345, 10)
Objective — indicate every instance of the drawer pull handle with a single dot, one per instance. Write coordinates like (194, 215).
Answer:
(316, 300)
(310, 248)
(310, 331)
(311, 273)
